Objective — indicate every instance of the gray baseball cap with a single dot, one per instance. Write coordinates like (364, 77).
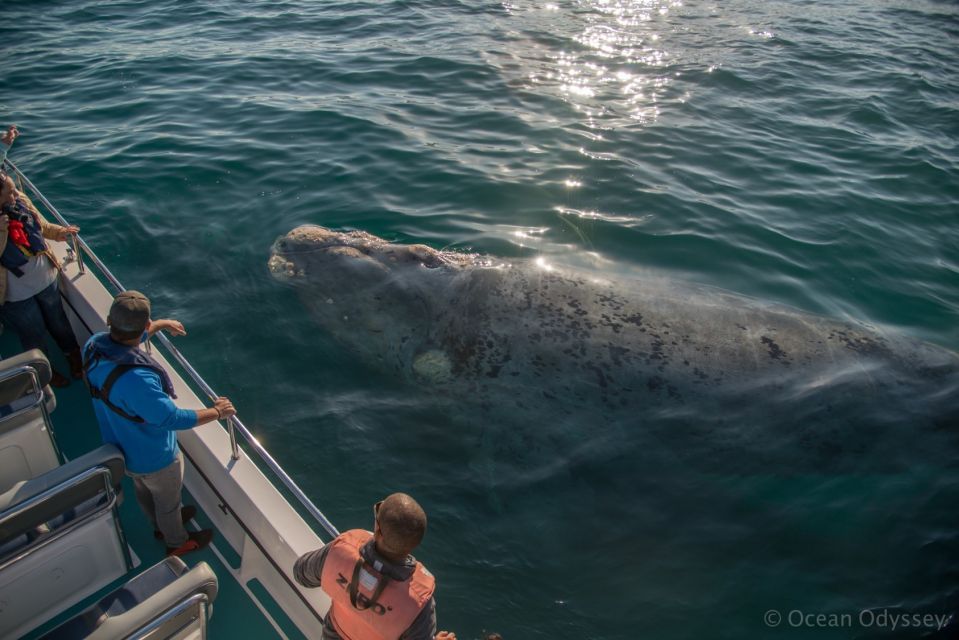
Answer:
(129, 313)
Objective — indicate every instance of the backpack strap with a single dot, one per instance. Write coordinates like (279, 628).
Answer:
(103, 393)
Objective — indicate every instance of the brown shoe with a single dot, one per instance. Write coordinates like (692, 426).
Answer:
(197, 540)
(76, 363)
(59, 380)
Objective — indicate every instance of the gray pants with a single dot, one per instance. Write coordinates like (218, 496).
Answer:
(159, 496)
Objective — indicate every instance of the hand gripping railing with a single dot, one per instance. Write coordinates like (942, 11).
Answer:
(233, 424)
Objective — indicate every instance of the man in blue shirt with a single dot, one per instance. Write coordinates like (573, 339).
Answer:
(133, 400)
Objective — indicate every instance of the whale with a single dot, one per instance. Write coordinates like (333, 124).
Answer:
(525, 343)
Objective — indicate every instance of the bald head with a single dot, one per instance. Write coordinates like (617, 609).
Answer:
(402, 523)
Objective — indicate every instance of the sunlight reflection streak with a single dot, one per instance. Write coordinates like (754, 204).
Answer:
(620, 67)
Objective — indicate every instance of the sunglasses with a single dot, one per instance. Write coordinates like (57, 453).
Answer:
(376, 511)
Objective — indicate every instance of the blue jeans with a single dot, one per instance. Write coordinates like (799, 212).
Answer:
(33, 317)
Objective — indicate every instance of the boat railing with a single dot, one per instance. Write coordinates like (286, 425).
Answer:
(234, 424)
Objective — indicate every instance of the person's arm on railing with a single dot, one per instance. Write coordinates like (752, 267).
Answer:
(221, 410)
(173, 327)
(6, 141)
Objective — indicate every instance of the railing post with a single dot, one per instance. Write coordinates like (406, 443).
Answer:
(234, 446)
(75, 249)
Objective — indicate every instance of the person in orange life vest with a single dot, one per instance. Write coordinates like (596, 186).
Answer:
(378, 590)
(29, 293)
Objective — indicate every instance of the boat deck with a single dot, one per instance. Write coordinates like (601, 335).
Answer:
(240, 610)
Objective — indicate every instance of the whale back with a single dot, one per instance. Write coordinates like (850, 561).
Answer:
(556, 346)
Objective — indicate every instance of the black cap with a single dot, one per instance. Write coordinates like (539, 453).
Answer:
(129, 314)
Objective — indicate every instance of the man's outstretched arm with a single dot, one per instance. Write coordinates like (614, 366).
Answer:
(308, 568)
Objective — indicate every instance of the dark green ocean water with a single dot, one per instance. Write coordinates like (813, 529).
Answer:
(797, 152)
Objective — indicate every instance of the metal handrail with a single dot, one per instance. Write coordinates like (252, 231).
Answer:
(233, 424)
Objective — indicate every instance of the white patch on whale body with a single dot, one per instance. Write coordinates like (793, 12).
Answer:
(433, 366)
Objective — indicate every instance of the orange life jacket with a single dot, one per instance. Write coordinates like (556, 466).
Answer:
(367, 605)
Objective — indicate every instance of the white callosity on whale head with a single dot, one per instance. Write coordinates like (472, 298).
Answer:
(283, 269)
(356, 250)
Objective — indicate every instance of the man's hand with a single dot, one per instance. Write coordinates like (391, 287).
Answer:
(445, 635)
(9, 135)
(224, 409)
(173, 327)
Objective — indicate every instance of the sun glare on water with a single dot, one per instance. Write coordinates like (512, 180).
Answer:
(617, 63)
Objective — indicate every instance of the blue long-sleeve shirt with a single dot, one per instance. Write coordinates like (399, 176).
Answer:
(149, 446)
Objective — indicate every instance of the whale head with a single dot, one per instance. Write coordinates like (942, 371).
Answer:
(362, 289)
(319, 254)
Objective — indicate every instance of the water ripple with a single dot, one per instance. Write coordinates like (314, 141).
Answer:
(796, 153)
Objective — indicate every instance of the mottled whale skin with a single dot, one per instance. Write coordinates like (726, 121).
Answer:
(548, 346)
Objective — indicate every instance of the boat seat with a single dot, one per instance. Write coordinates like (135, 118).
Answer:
(60, 539)
(168, 600)
(27, 445)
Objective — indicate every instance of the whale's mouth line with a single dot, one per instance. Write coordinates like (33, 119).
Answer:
(280, 250)
(282, 247)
